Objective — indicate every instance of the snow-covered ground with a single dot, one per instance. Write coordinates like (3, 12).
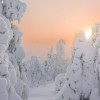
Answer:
(44, 92)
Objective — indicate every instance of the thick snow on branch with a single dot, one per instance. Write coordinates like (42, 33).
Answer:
(13, 9)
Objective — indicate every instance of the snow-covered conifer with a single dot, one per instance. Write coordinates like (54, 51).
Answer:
(33, 71)
(13, 10)
(80, 81)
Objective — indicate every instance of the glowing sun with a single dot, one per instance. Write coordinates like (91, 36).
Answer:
(88, 33)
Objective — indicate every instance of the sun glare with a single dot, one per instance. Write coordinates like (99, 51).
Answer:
(88, 33)
(2, 1)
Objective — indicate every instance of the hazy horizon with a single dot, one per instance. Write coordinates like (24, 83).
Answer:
(47, 21)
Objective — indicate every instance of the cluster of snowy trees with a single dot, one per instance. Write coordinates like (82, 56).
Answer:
(12, 73)
(54, 64)
(82, 79)
(32, 71)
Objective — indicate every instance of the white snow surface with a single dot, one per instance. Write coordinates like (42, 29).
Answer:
(44, 92)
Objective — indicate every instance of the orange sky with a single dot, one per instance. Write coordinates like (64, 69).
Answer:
(47, 21)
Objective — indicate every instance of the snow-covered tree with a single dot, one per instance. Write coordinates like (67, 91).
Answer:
(13, 10)
(33, 71)
(81, 76)
(55, 63)
(59, 82)
(60, 48)
(8, 77)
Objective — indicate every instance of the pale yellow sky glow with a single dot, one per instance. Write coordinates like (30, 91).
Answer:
(47, 21)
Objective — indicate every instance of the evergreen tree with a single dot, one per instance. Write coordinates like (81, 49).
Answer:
(11, 10)
(81, 77)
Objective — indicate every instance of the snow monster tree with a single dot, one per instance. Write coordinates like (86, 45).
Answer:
(11, 10)
(8, 77)
(82, 79)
